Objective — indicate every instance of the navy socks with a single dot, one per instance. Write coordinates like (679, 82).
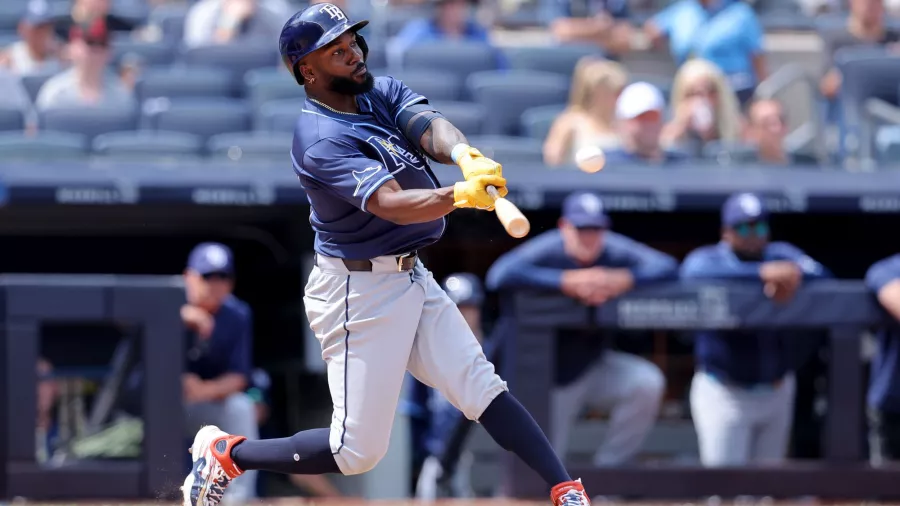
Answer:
(306, 452)
(513, 428)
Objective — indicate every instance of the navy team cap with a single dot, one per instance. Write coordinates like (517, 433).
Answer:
(743, 208)
(211, 258)
(585, 210)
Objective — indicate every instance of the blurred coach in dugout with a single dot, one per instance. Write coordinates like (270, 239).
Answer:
(586, 261)
(742, 394)
(219, 356)
(883, 278)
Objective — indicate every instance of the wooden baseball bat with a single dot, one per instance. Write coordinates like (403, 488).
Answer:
(515, 223)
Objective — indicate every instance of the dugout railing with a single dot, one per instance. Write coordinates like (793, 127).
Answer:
(145, 312)
(844, 308)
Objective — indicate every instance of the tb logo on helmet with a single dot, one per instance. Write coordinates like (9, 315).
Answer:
(333, 11)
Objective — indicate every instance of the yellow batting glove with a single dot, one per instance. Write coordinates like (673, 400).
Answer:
(473, 163)
(473, 193)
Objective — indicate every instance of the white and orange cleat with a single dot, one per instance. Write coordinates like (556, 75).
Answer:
(213, 468)
(569, 493)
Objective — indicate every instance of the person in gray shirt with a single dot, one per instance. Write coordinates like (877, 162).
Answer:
(88, 83)
(211, 22)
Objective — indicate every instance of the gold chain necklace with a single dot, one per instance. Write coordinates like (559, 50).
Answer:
(331, 108)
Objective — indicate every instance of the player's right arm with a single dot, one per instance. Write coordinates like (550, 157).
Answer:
(336, 164)
(883, 278)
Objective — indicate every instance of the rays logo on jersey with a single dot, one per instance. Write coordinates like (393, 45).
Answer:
(394, 156)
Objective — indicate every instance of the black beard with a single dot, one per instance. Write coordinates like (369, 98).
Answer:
(347, 86)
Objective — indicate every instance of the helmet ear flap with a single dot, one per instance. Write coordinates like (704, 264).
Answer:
(361, 42)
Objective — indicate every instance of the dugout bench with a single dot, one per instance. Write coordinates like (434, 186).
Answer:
(844, 308)
(146, 309)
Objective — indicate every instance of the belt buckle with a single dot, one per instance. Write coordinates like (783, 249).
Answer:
(401, 258)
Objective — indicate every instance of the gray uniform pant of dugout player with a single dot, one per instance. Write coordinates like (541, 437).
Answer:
(373, 327)
(628, 387)
(736, 426)
(234, 415)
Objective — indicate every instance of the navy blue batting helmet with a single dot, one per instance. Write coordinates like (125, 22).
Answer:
(464, 289)
(313, 28)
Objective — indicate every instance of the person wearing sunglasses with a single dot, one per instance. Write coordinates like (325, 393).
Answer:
(219, 357)
(743, 390)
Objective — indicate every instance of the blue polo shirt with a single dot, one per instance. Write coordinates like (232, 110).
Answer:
(553, 9)
(884, 384)
(230, 347)
(743, 357)
(728, 35)
(342, 159)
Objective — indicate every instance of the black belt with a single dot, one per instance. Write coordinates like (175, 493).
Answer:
(404, 263)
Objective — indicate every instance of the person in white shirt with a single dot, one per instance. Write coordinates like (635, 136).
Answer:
(211, 22)
(37, 51)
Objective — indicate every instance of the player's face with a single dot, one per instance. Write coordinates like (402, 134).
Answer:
(209, 291)
(342, 66)
(768, 121)
(584, 245)
(748, 238)
(643, 131)
(869, 11)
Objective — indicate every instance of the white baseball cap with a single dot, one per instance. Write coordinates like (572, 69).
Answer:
(638, 98)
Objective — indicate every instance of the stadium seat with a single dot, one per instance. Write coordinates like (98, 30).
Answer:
(181, 82)
(11, 119)
(33, 82)
(238, 59)
(87, 121)
(152, 53)
(253, 146)
(536, 121)
(728, 153)
(461, 58)
(10, 14)
(8, 37)
(559, 59)
(506, 95)
(265, 85)
(399, 17)
(509, 150)
(42, 146)
(433, 84)
(147, 145)
(169, 18)
(469, 118)
(203, 118)
(278, 115)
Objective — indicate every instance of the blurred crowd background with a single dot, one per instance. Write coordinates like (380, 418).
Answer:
(799, 84)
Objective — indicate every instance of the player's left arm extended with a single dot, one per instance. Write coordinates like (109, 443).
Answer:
(225, 386)
(810, 268)
(443, 142)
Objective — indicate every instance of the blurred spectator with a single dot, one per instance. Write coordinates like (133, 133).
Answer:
(47, 397)
(585, 260)
(210, 22)
(38, 49)
(85, 12)
(452, 20)
(639, 122)
(704, 108)
(88, 83)
(588, 120)
(601, 22)
(883, 398)
(767, 129)
(130, 68)
(742, 394)
(16, 97)
(219, 359)
(865, 26)
(725, 32)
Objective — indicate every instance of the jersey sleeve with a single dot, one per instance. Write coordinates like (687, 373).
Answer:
(397, 95)
(342, 168)
(883, 272)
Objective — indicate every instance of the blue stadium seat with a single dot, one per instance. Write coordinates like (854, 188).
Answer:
(87, 121)
(391, 25)
(11, 120)
(536, 121)
(728, 153)
(236, 58)
(265, 85)
(181, 82)
(8, 37)
(506, 95)
(203, 118)
(10, 14)
(461, 58)
(559, 59)
(253, 146)
(664, 83)
(278, 116)
(33, 82)
(169, 18)
(42, 146)
(469, 118)
(509, 150)
(152, 53)
(147, 145)
(433, 84)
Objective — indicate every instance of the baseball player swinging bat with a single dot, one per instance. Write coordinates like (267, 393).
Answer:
(361, 151)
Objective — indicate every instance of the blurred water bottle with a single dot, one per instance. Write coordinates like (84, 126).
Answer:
(702, 117)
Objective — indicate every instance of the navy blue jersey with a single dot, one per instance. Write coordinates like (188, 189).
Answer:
(884, 385)
(342, 159)
(746, 357)
(230, 347)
